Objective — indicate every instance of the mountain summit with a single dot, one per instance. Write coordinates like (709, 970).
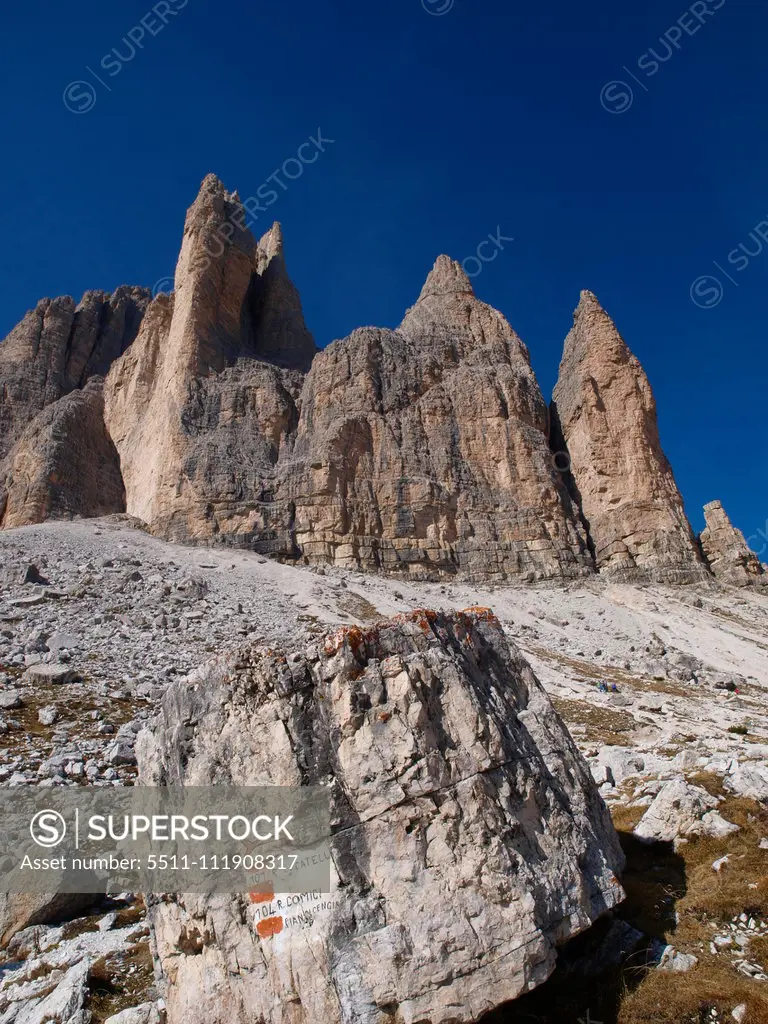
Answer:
(429, 449)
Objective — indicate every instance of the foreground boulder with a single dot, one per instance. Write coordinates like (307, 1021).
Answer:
(682, 810)
(469, 840)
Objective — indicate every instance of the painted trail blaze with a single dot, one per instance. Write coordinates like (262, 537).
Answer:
(269, 926)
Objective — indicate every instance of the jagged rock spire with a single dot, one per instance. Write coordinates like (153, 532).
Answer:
(197, 408)
(447, 277)
(726, 551)
(605, 423)
(280, 333)
(271, 245)
(58, 346)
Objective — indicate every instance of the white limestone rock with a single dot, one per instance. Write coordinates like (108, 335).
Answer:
(469, 838)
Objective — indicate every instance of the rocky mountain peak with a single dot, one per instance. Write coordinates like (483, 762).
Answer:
(427, 447)
(594, 334)
(271, 244)
(58, 346)
(588, 299)
(213, 185)
(447, 277)
(727, 553)
(605, 423)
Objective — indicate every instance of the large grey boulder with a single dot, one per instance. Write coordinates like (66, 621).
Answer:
(469, 840)
(681, 810)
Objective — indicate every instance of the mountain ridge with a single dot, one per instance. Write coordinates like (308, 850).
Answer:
(427, 449)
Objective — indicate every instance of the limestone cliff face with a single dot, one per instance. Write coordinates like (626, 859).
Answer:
(63, 465)
(468, 838)
(726, 551)
(58, 347)
(423, 448)
(426, 448)
(605, 421)
(198, 414)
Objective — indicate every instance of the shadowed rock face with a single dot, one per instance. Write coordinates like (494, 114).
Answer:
(426, 448)
(726, 551)
(58, 347)
(605, 421)
(468, 837)
(63, 465)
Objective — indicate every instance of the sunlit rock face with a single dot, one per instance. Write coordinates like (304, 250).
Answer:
(605, 425)
(468, 837)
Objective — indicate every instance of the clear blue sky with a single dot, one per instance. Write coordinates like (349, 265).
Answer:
(446, 127)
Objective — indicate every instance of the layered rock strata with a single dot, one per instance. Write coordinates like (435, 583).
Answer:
(197, 413)
(727, 553)
(418, 449)
(58, 347)
(63, 465)
(468, 838)
(606, 431)
(426, 448)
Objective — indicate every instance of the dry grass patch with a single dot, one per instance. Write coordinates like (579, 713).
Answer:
(708, 904)
(674, 897)
(602, 725)
(664, 998)
(626, 819)
(358, 607)
(114, 987)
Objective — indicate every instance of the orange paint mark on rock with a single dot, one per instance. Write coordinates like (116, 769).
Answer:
(269, 926)
(263, 895)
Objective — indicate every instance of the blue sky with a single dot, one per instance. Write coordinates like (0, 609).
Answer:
(451, 120)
